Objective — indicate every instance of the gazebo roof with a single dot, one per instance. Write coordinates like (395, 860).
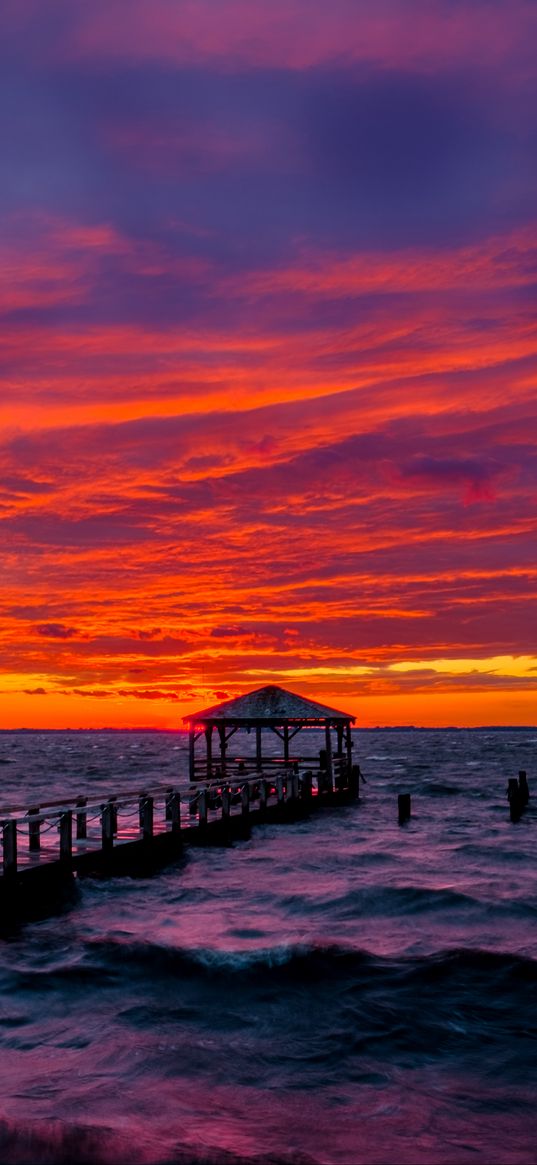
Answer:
(268, 706)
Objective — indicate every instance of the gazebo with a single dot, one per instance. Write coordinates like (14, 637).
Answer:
(276, 710)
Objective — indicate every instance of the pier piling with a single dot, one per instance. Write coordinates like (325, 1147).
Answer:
(202, 808)
(107, 828)
(66, 836)
(81, 818)
(34, 830)
(10, 848)
(404, 807)
(523, 789)
(146, 817)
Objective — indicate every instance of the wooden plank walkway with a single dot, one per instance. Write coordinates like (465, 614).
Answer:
(44, 847)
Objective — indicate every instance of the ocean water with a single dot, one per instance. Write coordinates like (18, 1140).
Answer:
(339, 990)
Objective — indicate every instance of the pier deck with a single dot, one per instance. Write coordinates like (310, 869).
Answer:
(46, 846)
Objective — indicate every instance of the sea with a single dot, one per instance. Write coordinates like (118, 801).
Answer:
(342, 990)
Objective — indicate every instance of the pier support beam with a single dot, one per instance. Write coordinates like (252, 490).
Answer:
(258, 750)
(146, 817)
(223, 743)
(107, 828)
(349, 747)
(202, 808)
(34, 830)
(66, 836)
(209, 746)
(81, 818)
(10, 848)
(329, 763)
(173, 810)
(226, 802)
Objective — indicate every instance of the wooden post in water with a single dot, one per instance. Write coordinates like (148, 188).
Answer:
(354, 783)
(245, 799)
(66, 836)
(10, 848)
(81, 818)
(146, 814)
(280, 790)
(292, 785)
(523, 787)
(516, 806)
(226, 802)
(404, 807)
(107, 828)
(34, 830)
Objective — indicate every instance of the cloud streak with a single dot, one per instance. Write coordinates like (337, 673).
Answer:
(267, 312)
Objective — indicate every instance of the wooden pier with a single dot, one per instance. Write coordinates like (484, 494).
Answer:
(46, 846)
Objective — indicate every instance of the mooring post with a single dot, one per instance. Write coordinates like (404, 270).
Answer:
(146, 814)
(107, 828)
(354, 783)
(523, 786)
(173, 809)
(81, 818)
(66, 836)
(514, 797)
(9, 835)
(34, 830)
(404, 807)
(202, 808)
(245, 799)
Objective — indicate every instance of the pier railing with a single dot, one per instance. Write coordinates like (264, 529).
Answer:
(69, 831)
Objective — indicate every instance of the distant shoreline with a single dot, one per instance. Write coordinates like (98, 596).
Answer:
(357, 728)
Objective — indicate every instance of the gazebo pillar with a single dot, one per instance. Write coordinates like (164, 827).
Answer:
(258, 753)
(286, 743)
(329, 765)
(349, 747)
(191, 746)
(209, 743)
(222, 735)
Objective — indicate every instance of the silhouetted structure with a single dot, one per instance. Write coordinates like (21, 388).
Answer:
(275, 710)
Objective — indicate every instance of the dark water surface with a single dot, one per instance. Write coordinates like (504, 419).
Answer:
(339, 990)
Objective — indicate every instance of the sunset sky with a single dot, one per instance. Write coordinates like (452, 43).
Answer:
(268, 407)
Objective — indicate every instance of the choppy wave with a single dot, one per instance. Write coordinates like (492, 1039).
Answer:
(341, 989)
